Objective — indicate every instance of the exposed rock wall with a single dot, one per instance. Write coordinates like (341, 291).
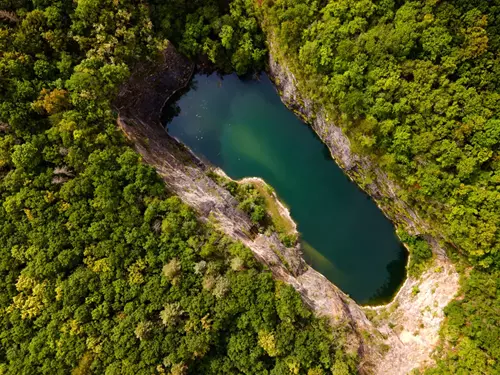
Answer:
(340, 147)
(139, 104)
(416, 313)
(409, 325)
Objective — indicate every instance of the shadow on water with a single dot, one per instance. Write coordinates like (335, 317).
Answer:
(241, 126)
(384, 294)
(397, 274)
(171, 108)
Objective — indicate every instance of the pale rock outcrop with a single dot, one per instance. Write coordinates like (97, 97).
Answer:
(410, 328)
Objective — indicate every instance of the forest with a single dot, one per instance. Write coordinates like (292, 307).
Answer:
(103, 271)
(416, 87)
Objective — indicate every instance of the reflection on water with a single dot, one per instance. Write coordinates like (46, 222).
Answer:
(242, 127)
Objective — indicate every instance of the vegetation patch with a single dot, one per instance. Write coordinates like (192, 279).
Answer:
(420, 253)
(260, 202)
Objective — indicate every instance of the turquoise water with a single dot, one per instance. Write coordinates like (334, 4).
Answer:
(242, 127)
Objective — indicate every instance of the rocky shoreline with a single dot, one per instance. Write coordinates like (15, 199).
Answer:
(409, 330)
(412, 319)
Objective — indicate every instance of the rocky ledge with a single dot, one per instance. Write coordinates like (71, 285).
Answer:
(411, 322)
(140, 104)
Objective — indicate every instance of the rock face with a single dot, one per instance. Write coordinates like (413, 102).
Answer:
(140, 103)
(152, 84)
(408, 326)
(416, 313)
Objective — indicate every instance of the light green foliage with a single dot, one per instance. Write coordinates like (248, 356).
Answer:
(172, 269)
(237, 264)
(420, 253)
(209, 282)
(171, 314)
(415, 86)
(268, 342)
(136, 272)
(101, 269)
(179, 369)
(143, 330)
(315, 371)
(200, 267)
(222, 286)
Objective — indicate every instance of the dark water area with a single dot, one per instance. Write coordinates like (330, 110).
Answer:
(242, 127)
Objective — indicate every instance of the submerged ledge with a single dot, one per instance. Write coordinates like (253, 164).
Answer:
(410, 322)
(418, 314)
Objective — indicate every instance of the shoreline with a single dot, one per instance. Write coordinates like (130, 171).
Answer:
(285, 211)
(185, 175)
(417, 309)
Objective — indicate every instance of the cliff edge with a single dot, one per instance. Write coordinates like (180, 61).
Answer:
(140, 104)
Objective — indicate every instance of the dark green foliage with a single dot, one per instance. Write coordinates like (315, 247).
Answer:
(416, 86)
(229, 36)
(289, 240)
(420, 253)
(101, 270)
(251, 201)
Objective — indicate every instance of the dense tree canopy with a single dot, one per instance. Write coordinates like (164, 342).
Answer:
(230, 37)
(416, 86)
(102, 271)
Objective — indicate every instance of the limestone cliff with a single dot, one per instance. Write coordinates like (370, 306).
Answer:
(411, 321)
(408, 326)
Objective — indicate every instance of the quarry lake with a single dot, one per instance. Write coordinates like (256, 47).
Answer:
(242, 127)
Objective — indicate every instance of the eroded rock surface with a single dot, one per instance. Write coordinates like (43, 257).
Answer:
(412, 320)
(139, 104)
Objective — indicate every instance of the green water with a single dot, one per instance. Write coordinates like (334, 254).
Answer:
(242, 127)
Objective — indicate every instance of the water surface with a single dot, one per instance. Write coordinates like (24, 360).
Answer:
(242, 127)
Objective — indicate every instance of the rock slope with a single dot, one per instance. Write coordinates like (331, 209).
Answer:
(416, 313)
